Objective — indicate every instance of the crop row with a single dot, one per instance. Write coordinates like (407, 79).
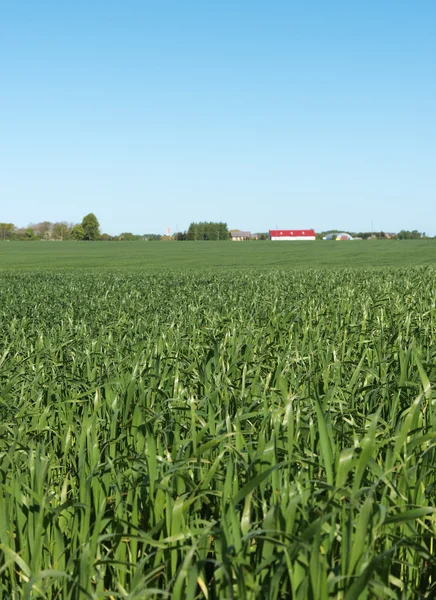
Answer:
(218, 435)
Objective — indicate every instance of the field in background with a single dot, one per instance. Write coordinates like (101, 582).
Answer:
(193, 255)
(229, 434)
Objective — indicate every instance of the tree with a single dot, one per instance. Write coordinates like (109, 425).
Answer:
(127, 236)
(405, 234)
(151, 237)
(208, 231)
(91, 227)
(77, 232)
(43, 230)
(60, 230)
(6, 230)
(29, 234)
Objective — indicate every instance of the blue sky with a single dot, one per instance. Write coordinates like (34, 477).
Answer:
(260, 114)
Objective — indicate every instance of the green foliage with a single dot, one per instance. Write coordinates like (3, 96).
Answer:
(227, 434)
(77, 233)
(127, 236)
(410, 235)
(6, 231)
(152, 237)
(60, 231)
(43, 230)
(29, 234)
(208, 231)
(91, 227)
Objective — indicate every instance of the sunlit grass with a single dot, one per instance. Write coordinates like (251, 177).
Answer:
(174, 256)
(218, 435)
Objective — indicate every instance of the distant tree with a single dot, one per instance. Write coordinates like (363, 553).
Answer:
(152, 237)
(7, 231)
(127, 236)
(208, 230)
(44, 230)
(60, 231)
(192, 233)
(29, 234)
(77, 232)
(405, 234)
(91, 227)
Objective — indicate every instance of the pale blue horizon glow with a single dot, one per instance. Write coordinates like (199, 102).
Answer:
(152, 115)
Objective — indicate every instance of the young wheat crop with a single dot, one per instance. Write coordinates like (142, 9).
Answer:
(218, 435)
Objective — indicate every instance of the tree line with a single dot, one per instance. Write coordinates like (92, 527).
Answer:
(404, 234)
(207, 231)
(89, 230)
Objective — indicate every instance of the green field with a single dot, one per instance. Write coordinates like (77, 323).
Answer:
(192, 255)
(227, 434)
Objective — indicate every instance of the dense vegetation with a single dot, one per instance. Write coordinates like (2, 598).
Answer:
(404, 234)
(89, 229)
(198, 255)
(206, 231)
(218, 435)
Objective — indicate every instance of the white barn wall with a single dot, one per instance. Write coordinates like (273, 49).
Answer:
(293, 238)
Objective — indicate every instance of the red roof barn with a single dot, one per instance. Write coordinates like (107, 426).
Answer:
(291, 234)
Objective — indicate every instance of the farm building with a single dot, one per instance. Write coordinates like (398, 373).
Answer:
(240, 236)
(291, 234)
(338, 236)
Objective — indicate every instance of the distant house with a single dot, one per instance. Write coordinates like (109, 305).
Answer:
(240, 236)
(286, 235)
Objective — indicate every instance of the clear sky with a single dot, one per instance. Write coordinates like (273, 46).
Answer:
(261, 114)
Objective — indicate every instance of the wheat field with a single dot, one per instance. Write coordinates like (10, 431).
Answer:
(218, 434)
